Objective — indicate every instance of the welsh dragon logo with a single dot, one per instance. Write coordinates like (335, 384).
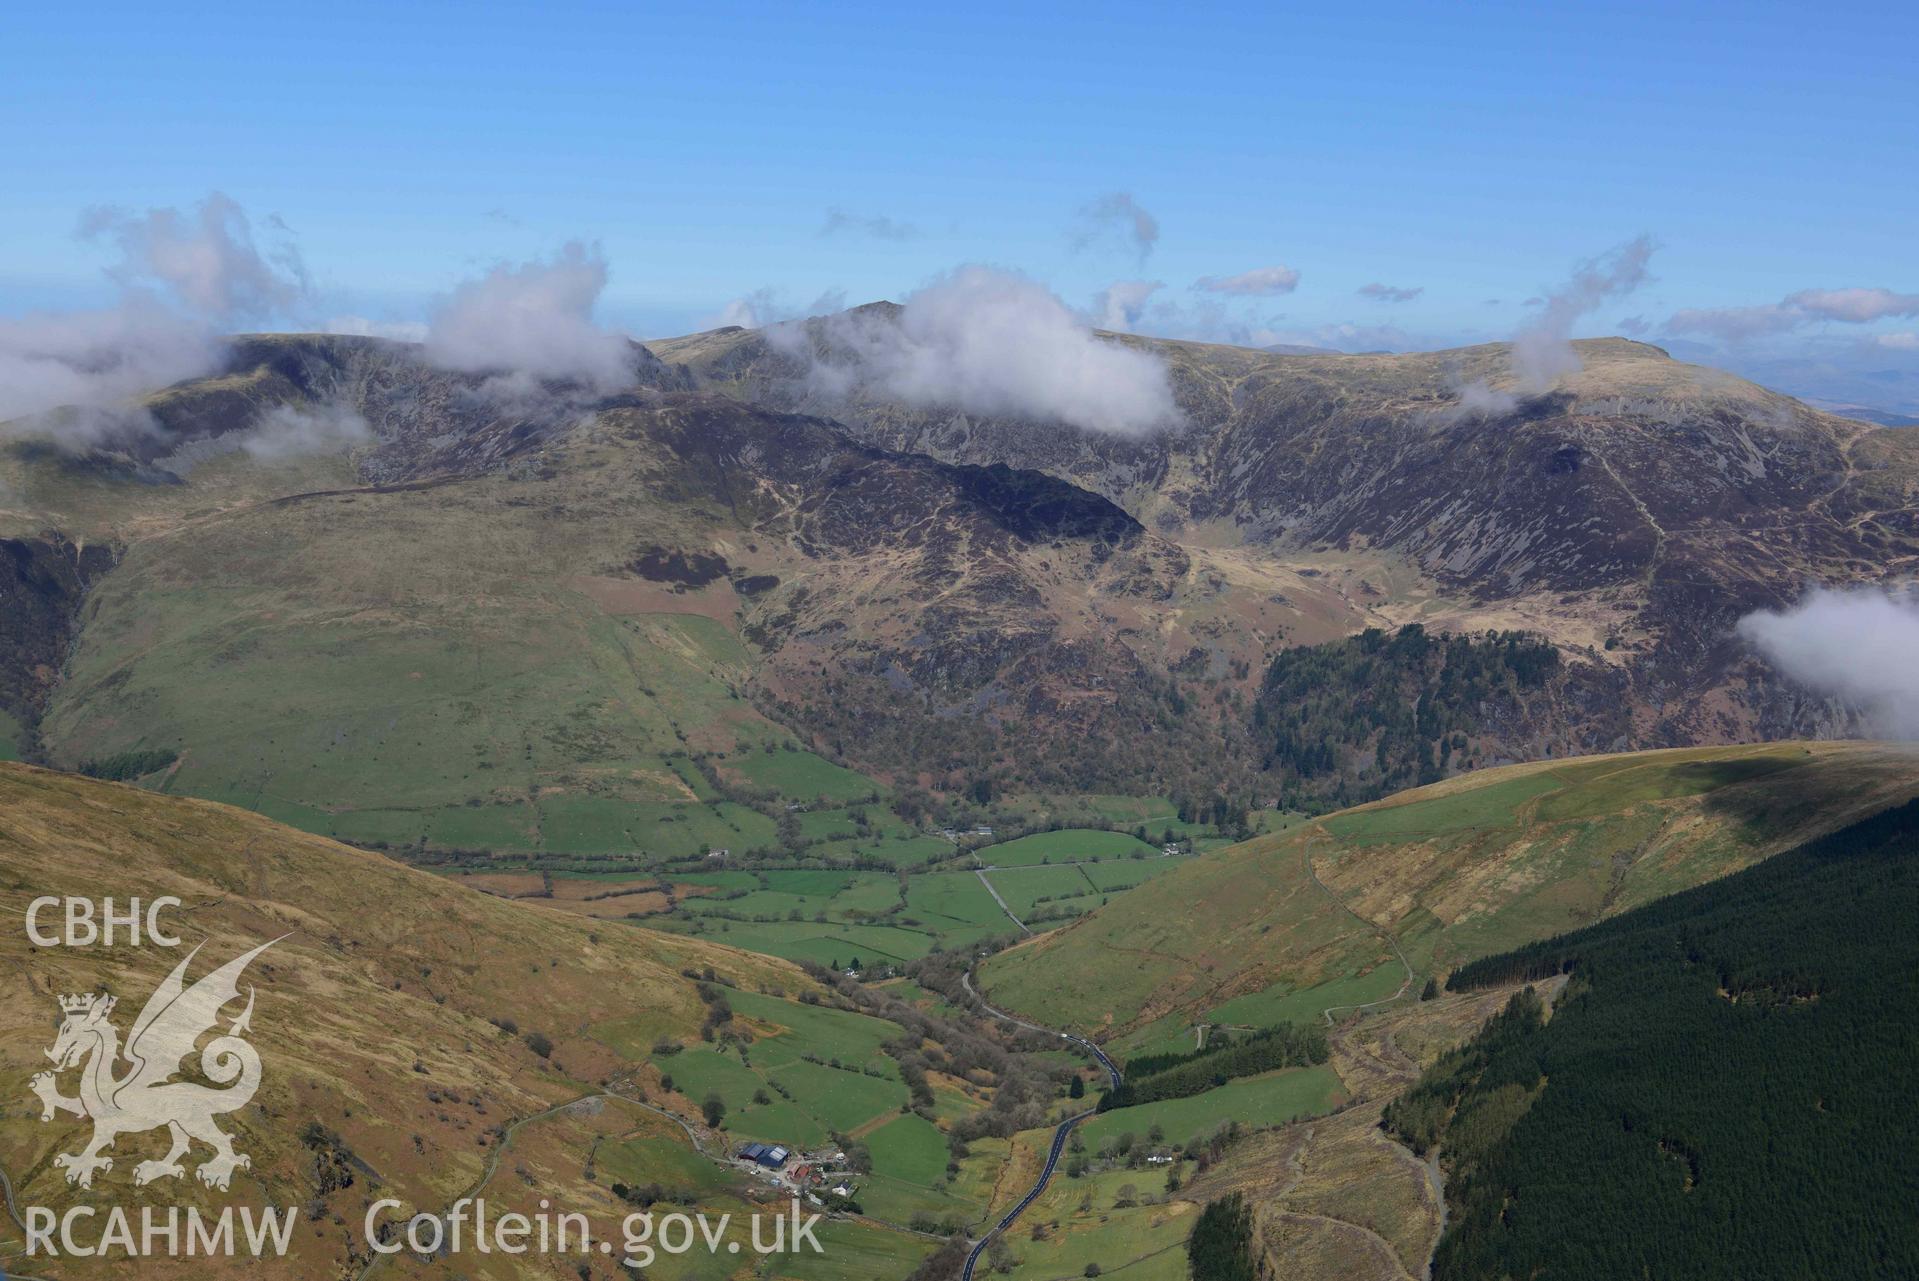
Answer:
(144, 1097)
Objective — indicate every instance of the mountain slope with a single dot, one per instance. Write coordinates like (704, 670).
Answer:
(386, 1015)
(1757, 1127)
(566, 632)
(920, 595)
(1285, 926)
(1634, 513)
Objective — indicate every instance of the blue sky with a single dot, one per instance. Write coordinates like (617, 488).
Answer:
(1473, 153)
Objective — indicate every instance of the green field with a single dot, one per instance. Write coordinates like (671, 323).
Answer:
(1604, 787)
(497, 827)
(1279, 1004)
(956, 906)
(840, 1081)
(801, 776)
(1140, 1242)
(851, 1251)
(862, 913)
(1070, 845)
(781, 1061)
(1113, 877)
(1024, 887)
(1125, 811)
(920, 998)
(1272, 1099)
(807, 941)
(669, 1159)
(841, 895)
(909, 1148)
(1467, 810)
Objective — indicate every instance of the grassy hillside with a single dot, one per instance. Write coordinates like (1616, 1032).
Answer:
(485, 689)
(643, 637)
(626, 583)
(1759, 1126)
(425, 1031)
(1284, 926)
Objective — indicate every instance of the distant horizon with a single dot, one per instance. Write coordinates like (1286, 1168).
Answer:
(1867, 411)
(1415, 178)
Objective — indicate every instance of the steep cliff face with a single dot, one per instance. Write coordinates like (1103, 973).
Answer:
(43, 581)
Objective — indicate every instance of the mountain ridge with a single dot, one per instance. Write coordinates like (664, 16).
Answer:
(1630, 518)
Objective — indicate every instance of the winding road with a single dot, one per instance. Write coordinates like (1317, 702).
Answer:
(1060, 1132)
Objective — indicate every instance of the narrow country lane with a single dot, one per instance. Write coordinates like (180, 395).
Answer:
(1060, 1132)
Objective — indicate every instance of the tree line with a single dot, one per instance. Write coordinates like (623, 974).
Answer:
(1150, 1078)
(1723, 1090)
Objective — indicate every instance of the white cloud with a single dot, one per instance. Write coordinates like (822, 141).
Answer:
(1735, 324)
(1854, 306)
(991, 343)
(1542, 351)
(1907, 341)
(768, 306)
(182, 277)
(288, 431)
(1120, 305)
(1118, 212)
(742, 313)
(1857, 644)
(280, 434)
(93, 360)
(207, 260)
(1261, 282)
(1482, 400)
(533, 320)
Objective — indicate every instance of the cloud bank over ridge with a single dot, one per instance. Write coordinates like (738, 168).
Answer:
(993, 343)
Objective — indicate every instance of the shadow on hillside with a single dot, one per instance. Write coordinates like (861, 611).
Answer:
(1773, 796)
